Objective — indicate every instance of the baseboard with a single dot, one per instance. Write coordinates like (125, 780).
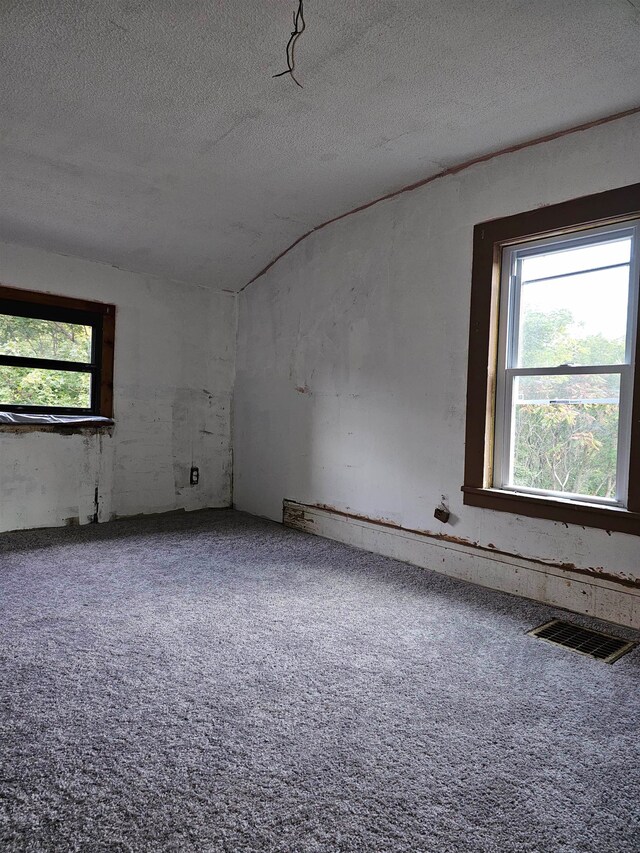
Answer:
(114, 517)
(579, 590)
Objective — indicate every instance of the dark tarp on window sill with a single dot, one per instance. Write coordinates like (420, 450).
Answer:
(17, 418)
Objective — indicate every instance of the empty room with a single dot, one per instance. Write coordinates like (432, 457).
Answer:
(320, 426)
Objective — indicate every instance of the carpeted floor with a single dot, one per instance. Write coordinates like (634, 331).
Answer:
(213, 682)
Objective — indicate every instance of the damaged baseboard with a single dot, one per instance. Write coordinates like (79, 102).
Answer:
(579, 591)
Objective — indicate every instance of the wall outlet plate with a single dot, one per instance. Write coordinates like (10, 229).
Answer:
(442, 514)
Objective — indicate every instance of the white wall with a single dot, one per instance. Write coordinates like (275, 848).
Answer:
(174, 366)
(352, 350)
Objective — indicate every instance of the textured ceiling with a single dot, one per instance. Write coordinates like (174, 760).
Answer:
(150, 134)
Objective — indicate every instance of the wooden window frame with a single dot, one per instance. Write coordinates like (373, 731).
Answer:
(489, 239)
(100, 316)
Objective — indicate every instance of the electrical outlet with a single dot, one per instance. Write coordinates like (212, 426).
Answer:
(195, 476)
(442, 513)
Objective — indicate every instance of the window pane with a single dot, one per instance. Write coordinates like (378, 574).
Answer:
(31, 338)
(562, 261)
(565, 433)
(580, 320)
(26, 386)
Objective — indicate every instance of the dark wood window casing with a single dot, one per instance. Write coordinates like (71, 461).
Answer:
(99, 316)
(489, 239)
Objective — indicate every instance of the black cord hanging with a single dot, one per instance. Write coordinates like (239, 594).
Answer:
(298, 28)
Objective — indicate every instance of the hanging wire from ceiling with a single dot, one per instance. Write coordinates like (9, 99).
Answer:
(299, 26)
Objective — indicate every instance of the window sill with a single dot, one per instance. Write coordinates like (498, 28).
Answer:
(555, 509)
(26, 422)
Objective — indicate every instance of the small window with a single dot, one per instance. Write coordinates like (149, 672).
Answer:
(56, 355)
(553, 404)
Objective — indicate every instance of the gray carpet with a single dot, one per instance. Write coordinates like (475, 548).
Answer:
(212, 682)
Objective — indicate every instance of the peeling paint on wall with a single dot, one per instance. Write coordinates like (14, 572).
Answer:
(594, 594)
(294, 515)
(372, 314)
(172, 341)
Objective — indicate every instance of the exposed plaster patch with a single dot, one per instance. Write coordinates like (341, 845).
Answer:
(18, 429)
(168, 339)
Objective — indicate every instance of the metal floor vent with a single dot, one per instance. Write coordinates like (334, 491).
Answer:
(578, 639)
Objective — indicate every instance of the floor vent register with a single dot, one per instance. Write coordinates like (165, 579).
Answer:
(595, 644)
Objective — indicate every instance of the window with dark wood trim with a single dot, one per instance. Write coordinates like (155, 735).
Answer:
(494, 241)
(56, 355)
